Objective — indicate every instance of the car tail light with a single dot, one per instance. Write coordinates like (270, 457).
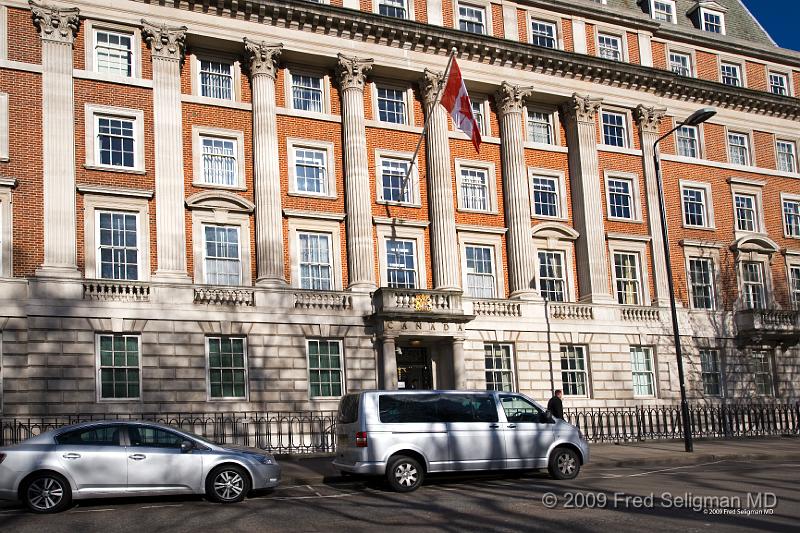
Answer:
(2, 457)
(361, 439)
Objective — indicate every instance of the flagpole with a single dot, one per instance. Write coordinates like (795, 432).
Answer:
(404, 183)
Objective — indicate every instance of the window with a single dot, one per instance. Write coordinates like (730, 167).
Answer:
(392, 105)
(753, 286)
(118, 367)
(794, 285)
(620, 198)
(779, 83)
(627, 278)
(223, 264)
(118, 250)
(687, 140)
(791, 217)
(219, 161)
(712, 21)
(475, 189)
(663, 10)
(395, 188)
(478, 111)
(307, 92)
(481, 281)
(113, 52)
(519, 409)
(401, 266)
(739, 148)
(540, 127)
(543, 33)
(701, 278)
(731, 74)
(745, 205)
(216, 79)
(787, 161)
(310, 169)
(153, 437)
(680, 63)
(93, 436)
(472, 18)
(316, 267)
(642, 369)
(499, 370)
(227, 369)
(393, 8)
(615, 129)
(694, 207)
(762, 370)
(552, 276)
(115, 142)
(711, 373)
(325, 368)
(546, 201)
(609, 46)
(574, 378)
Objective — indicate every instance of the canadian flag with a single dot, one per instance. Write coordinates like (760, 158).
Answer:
(456, 100)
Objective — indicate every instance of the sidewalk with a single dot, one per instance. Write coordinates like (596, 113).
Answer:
(299, 470)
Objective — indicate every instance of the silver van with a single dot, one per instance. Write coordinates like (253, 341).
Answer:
(406, 434)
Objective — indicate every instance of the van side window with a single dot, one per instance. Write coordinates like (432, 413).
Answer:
(408, 408)
(518, 409)
(467, 408)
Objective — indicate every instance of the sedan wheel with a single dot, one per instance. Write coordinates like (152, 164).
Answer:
(405, 474)
(47, 493)
(228, 484)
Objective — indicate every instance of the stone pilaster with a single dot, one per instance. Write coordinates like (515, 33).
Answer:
(262, 59)
(388, 363)
(579, 114)
(521, 270)
(57, 28)
(166, 47)
(649, 120)
(351, 73)
(459, 365)
(444, 244)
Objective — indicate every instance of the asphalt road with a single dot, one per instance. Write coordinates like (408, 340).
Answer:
(684, 499)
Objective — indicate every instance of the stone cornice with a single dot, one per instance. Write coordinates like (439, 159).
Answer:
(166, 42)
(410, 35)
(262, 58)
(56, 24)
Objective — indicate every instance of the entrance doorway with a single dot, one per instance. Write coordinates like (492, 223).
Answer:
(414, 369)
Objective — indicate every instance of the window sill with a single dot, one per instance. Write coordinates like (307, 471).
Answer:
(119, 170)
(628, 220)
(205, 100)
(200, 185)
(545, 217)
(314, 115)
(311, 195)
(477, 211)
(545, 147)
(400, 204)
(392, 126)
(110, 78)
(619, 149)
(699, 228)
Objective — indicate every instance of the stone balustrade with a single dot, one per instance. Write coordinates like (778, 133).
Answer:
(571, 311)
(640, 314)
(223, 296)
(114, 291)
(418, 301)
(772, 323)
(496, 308)
(322, 300)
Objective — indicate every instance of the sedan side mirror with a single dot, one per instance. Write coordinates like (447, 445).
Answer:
(187, 446)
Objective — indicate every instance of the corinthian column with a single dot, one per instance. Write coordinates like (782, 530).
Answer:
(166, 47)
(351, 73)
(262, 59)
(649, 120)
(444, 249)
(516, 193)
(57, 28)
(579, 114)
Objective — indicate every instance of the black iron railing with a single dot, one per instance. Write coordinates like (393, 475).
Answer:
(315, 431)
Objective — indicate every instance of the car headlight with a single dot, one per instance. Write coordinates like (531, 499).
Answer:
(263, 459)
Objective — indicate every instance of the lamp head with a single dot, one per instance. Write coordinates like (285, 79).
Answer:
(700, 116)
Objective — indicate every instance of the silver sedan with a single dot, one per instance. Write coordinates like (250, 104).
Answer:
(116, 458)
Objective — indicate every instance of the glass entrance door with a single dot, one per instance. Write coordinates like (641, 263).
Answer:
(414, 369)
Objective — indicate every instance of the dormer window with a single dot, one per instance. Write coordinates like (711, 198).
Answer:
(712, 22)
(663, 10)
(709, 16)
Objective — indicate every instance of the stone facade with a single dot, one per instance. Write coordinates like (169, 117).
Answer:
(177, 180)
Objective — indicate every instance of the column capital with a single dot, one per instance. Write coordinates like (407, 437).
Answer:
(510, 98)
(429, 86)
(649, 118)
(351, 71)
(581, 108)
(262, 58)
(55, 24)
(166, 42)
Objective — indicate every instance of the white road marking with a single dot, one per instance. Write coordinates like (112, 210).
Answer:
(312, 490)
(93, 510)
(13, 511)
(314, 497)
(160, 506)
(673, 468)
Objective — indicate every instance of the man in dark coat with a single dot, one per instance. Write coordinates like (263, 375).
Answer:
(555, 406)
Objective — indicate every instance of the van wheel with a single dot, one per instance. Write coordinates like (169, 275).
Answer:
(564, 464)
(404, 474)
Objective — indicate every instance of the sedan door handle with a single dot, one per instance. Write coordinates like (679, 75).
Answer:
(71, 456)
(512, 426)
(137, 456)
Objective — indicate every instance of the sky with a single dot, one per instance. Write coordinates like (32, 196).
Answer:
(778, 18)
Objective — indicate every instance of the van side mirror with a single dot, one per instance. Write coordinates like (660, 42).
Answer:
(187, 446)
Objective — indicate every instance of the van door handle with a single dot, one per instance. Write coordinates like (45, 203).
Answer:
(512, 426)
(494, 426)
(137, 456)
(71, 456)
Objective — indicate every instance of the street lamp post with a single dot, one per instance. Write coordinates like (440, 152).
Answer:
(698, 117)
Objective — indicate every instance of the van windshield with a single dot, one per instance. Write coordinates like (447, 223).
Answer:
(348, 409)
